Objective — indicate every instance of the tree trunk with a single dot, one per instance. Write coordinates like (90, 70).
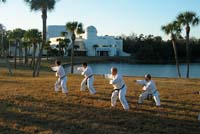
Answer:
(176, 58)
(187, 51)
(72, 57)
(30, 64)
(38, 63)
(65, 51)
(37, 66)
(26, 56)
(2, 46)
(60, 55)
(20, 53)
(7, 63)
(15, 64)
(72, 52)
(5, 56)
(47, 55)
(34, 52)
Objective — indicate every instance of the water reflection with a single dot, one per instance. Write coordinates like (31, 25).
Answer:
(141, 69)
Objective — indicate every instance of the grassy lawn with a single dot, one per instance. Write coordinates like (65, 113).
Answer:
(30, 105)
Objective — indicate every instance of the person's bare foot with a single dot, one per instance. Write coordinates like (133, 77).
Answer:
(160, 110)
(126, 110)
(113, 108)
(137, 106)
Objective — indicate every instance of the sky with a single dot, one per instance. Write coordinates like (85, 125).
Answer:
(110, 17)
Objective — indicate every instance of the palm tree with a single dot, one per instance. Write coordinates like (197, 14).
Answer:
(16, 36)
(33, 36)
(60, 43)
(174, 30)
(25, 44)
(65, 45)
(66, 41)
(4, 51)
(48, 48)
(11, 38)
(75, 28)
(188, 19)
(2, 1)
(43, 6)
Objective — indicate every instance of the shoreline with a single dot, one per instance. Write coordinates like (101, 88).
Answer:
(120, 59)
(106, 59)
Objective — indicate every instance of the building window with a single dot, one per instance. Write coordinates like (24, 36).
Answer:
(102, 53)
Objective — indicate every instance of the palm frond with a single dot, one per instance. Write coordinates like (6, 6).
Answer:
(195, 21)
(187, 18)
(41, 4)
(174, 29)
(80, 29)
(2, 0)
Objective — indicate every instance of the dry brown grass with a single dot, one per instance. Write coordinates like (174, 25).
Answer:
(30, 105)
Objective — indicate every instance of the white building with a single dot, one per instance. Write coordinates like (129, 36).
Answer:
(89, 43)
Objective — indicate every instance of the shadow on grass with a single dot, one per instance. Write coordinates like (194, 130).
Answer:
(34, 116)
(8, 130)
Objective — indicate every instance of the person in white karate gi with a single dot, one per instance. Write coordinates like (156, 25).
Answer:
(150, 89)
(88, 81)
(62, 78)
(119, 88)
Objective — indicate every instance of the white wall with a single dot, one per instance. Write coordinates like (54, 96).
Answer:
(90, 39)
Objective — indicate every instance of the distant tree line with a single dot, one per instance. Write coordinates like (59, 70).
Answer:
(153, 49)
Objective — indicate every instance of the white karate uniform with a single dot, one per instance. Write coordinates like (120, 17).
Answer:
(88, 80)
(118, 83)
(149, 88)
(62, 80)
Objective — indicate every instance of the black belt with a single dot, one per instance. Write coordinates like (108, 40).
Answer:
(119, 88)
(154, 92)
(150, 95)
(62, 77)
(88, 78)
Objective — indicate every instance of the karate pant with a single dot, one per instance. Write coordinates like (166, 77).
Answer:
(89, 85)
(61, 83)
(144, 96)
(121, 93)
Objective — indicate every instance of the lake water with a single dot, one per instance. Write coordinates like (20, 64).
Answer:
(141, 69)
